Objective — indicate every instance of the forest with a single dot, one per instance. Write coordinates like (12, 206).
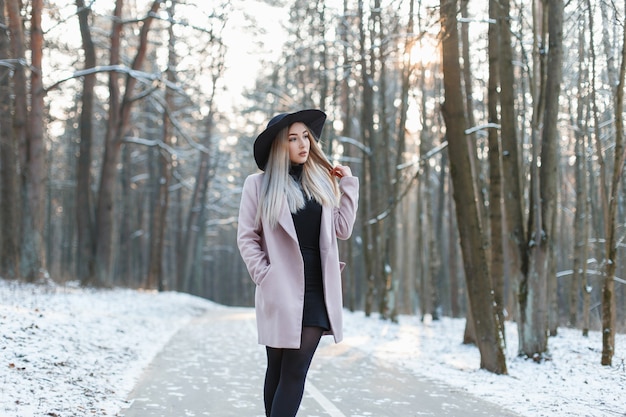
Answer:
(487, 135)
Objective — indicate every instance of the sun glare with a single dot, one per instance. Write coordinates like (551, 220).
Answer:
(424, 52)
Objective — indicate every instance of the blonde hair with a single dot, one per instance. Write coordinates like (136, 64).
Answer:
(317, 181)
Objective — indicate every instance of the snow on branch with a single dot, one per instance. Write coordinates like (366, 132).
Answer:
(140, 75)
(151, 143)
(471, 20)
(434, 151)
(482, 127)
(12, 63)
(590, 272)
(359, 145)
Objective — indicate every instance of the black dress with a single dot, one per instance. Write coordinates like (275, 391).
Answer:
(307, 222)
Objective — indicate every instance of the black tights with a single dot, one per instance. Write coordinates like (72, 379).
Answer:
(286, 372)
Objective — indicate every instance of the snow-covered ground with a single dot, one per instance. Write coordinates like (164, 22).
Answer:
(69, 351)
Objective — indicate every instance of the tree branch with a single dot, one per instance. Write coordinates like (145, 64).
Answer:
(140, 75)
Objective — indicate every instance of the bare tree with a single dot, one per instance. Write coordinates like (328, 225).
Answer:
(514, 242)
(190, 256)
(370, 169)
(195, 216)
(29, 133)
(35, 171)
(84, 206)
(10, 207)
(429, 290)
(346, 116)
(488, 329)
(550, 155)
(384, 151)
(608, 189)
(581, 220)
(495, 170)
(20, 106)
(611, 200)
(164, 166)
(119, 117)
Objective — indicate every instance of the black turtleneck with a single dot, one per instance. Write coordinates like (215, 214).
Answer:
(295, 170)
(308, 221)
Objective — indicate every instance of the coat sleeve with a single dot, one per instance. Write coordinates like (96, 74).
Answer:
(250, 236)
(345, 215)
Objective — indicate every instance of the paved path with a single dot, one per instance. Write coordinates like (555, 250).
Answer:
(214, 367)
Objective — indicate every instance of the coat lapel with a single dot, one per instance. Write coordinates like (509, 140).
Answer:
(286, 221)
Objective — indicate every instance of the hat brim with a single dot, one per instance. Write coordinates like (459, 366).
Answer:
(314, 119)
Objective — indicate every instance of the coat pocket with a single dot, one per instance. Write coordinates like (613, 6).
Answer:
(263, 274)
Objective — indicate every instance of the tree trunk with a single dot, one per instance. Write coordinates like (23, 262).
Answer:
(442, 278)
(432, 268)
(533, 320)
(469, 111)
(456, 291)
(195, 215)
(422, 250)
(514, 242)
(125, 254)
(550, 154)
(155, 269)
(608, 285)
(406, 71)
(495, 172)
(20, 110)
(599, 186)
(367, 181)
(351, 275)
(34, 170)
(596, 221)
(488, 330)
(421, 260)
(84, 217)
(10, 208)
(103, 226)
(384, 178)
(579, 262)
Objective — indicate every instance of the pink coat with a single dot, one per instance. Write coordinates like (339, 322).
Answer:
(275, 264)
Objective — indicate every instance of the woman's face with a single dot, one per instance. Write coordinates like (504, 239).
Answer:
(299, 143)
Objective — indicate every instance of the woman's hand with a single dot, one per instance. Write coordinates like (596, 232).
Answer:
(341, 171)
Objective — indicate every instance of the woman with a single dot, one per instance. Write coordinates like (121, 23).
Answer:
(289, 220)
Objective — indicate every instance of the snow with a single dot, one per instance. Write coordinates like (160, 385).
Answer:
(69, 349)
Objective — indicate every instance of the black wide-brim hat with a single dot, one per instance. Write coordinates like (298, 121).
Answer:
(314, 119)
